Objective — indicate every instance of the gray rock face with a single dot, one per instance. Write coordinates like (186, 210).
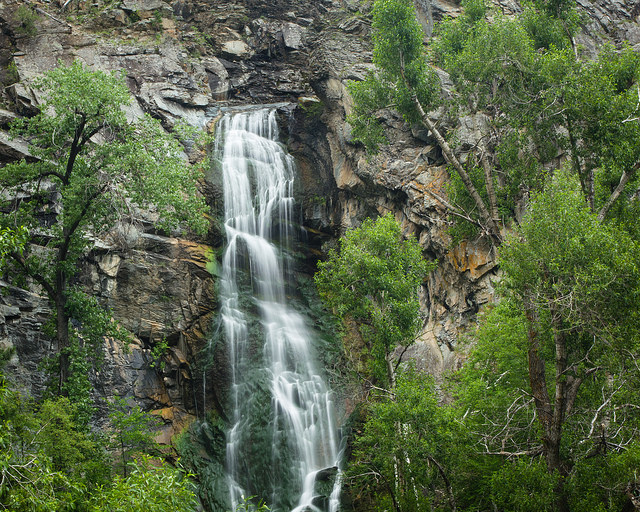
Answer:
(187, 60)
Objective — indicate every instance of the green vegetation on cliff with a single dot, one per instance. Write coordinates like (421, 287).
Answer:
(544, 414)
(90, 168)
(373, 282)
(50, 462)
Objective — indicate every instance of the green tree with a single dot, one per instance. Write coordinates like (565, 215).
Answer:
(553, 374)
(92, 168)
(69, 446)
(575, 279)
(526, 77)
(373, 281)
(133, 431)
(404, 456)
(152, 485)
(518, 79)
(47, 461)
(404, 80)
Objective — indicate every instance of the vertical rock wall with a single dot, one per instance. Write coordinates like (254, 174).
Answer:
(188, 59)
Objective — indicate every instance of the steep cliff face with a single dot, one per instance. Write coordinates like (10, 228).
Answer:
(187, 60)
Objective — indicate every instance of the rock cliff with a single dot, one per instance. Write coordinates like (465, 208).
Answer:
(187, 60)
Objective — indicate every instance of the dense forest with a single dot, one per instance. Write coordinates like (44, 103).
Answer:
(544, 413)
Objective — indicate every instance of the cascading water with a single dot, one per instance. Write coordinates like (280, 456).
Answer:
(283, 445)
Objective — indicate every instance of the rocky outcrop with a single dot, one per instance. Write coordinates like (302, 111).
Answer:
(161, 291)
(189, 60)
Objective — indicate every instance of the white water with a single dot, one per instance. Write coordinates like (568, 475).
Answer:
(284, 432)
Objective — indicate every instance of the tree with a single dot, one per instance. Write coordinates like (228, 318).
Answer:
(575, 280)
(373, 281)
(527, 76)
(47, 461)
(152, 486)
(519, 79)
(92, 168)
(554, 371)
(133, 431)
(405, 81)
(402, 458)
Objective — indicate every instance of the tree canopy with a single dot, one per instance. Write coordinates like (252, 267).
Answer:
(522, 79)
(90, 168)
(546, 406)
(373, 280)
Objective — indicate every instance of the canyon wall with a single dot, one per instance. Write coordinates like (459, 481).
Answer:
(189, 60)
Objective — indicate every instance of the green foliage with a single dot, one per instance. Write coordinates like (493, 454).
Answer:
(12, 240)
(248, 505)
(524, 73)
(403, 458)
(524, 486)
(570, 298)
(93, 166)
(26, 18)
(560, 9)
(47, 461)
(564, 259)
(402, 73)
(158, 352)
(72, 450)
(50, 462)
(457, 193)
(374, 281)
(133, 431)
(84, 353)
(137, 163)
(544, 406)
(152, 486)
(369, 95)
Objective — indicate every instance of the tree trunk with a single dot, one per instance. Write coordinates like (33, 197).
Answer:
(551, 416)
(449, 155)
(624, 179)
(62, 327)
(491, 191)
(447, 483)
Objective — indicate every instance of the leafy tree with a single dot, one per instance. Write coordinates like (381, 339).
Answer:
(526, 75)
(26, 18)
(12, 241)
(70, 448)
(47, 462)
(92, 168)
(576, 282)
(373, 281)
(552, 378)
(404, 80)
(520, 79)
(152, 486)
(133, 431)
(403, 458)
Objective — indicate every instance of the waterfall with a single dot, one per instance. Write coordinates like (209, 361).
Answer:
(283, 443)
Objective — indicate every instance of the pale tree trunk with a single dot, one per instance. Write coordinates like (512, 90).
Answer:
(450, 156)
(624, 179)
(491, 191)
